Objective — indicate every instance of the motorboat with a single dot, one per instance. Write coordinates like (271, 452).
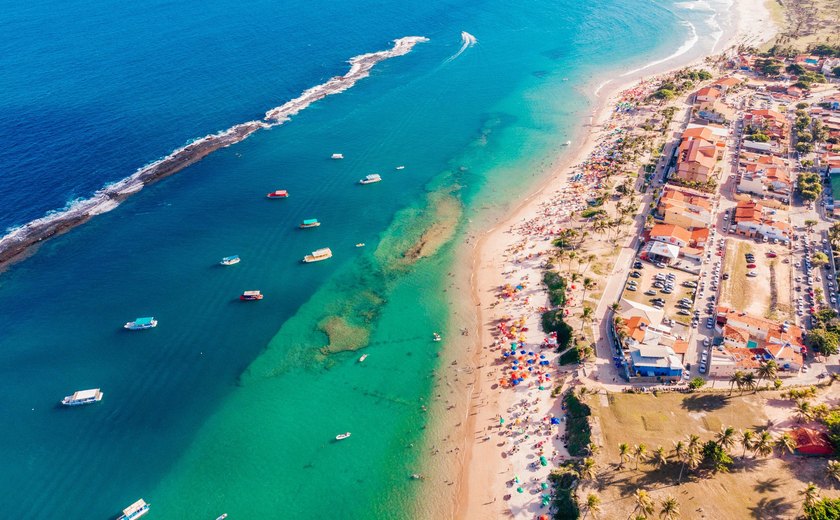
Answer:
(309, 223)
(318, 255)
(370, 179)
(222, 516)
(342, 436)
(135, 510)
(401, 167)
(436, 336)
(364, 357)
(83, 397)
(337, 156)
(230, 260)
(278, 194)
(360, 244)
(141, 324)
(248, 296)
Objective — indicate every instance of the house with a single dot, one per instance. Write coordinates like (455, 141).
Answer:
(708, 94)
(656, 251)
(766, 177)
(761, 147)
(769, 122)
(655, 361)
(764, 339)
(812, 443)
(670, 234)
(724, 84)
(754, 220)
(696, 160)
(686, 208)
(828, 66)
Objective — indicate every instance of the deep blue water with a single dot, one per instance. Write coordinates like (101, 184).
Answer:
(195, 410)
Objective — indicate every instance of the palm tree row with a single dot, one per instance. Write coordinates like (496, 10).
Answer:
(669, 507)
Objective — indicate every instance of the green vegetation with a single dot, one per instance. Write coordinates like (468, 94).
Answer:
(570, 356)
(825, 509)
(825, 337)
(832, 421)
(577, 425)
(768, 66)
(809, 186)
(592, 212)
(564, 481)
(696, 382)
(556, 288)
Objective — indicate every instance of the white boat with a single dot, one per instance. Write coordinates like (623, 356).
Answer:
(318, 255)
(342, 436)
(337, 156)
(83, 397)
(401, 167)
(370, 179)
(364, 357)
(360, 244)
(436, 336)
(135, 510)
(222, 517)
(230, 260)
(141, 324)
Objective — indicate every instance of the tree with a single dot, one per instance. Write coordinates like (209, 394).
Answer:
(736, 379)
(836, 71)
(716, 456)
(585, 317)
(644, 503)
(639, 451)
(824, 341)
(825, 509)
(623, 454)
(810, 494)
(809, 224)
(803, 410)
(766, 371)
(587, 469)
(592, 506)
(659, 458)
(819, 259)
(696, 382)
(670, 509)
(680, 453)
(747, 441)
(785, 443)
(833, 470)
(593, 448)
(749, 381)
(726, 437)
(764, 444)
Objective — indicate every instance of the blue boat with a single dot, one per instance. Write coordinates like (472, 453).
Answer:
(310, 222)
(141, 324)
(230, 260)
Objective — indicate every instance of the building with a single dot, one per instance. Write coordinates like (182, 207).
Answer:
(812, 443)
(765, 178)
(769, 122)
(752, 337)
(754, 220)
(656, 251)
(698, 154)
(655, 361)
(684, 208)
(670, 234)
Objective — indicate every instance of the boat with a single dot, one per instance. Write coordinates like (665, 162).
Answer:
(310, 222)
(230, 260)
(567, 143)
(83, 397)
(436, 336)
(342, 436)
(222, 517)
(360, 244)
(364, 357)
(249, 296)
(135, 510)
(370, 179)
(401, 167)
(141, 324)
(337, 156)
(318, 255)
(278, 194)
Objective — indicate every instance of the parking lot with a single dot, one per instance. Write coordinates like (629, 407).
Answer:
(665, 292)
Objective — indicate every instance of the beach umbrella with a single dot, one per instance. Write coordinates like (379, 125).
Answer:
(555, 420)
(543, 461)
(519, 490)
(516, 478)
(544, 485)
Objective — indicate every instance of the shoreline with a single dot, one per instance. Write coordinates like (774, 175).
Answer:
(18, 243)
(478, 482)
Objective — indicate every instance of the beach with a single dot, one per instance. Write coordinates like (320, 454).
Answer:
(509, 428)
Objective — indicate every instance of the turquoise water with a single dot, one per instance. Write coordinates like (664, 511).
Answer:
(231, 406)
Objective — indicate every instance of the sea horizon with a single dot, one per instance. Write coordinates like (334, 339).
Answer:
(232, 406)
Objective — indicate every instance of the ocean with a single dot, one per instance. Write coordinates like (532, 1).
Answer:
(232, 406)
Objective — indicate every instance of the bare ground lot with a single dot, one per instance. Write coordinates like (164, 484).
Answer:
(760, 488)
(768, 294)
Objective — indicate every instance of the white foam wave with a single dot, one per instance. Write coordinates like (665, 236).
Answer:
(19, 238)
(685, 47)
(467, 41)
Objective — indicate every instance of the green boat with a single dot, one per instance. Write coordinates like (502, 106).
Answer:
(310, 222)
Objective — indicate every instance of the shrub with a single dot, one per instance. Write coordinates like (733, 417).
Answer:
(825, 509)
(556, 285)
(577, 425)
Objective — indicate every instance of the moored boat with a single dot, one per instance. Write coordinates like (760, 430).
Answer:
(248, 296)
(364, 357)
(360, 244)
(370, 179)
(342, 436)
(141, 324)
(83, 397)
(135, 510)
(309, 223)
(278, 194)
(222, 517)
(337, 156)
(230, 260)
(401, 167)
(318, 255)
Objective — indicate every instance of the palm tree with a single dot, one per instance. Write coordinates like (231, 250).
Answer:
(764, 445)
(615, 306)
(639, 451)
(588, 284)
(803, 410)
(670, 509)
(585, 317)
(833, 470)
(623, 454)
(593, 448)
(587, 470)
(644, 503)
(766, 371)
(749, 381)
(571, 256)
(593, 505)
(736, 379)
(589, 259)
(680, 452)
(810, 494)
(659, 458)
(747, 441)
(726, 438)
(785, 443)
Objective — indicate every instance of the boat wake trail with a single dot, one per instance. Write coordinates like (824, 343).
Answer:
(467, 41)
(19, 239)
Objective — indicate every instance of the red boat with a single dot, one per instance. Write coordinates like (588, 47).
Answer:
(251, 296)
(279, 194)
